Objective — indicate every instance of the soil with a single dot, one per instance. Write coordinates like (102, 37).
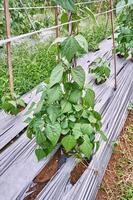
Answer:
(119, 173)
(21, 109)
(77, 172)
(44, 176)
(131, 59)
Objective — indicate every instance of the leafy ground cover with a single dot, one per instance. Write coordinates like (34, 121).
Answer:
(100, 70)
(118, 180)
(31, 65)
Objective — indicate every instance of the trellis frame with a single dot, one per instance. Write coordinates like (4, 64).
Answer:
(57, 26)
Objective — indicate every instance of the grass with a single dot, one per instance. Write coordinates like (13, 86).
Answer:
(128, 194)
(31, 65)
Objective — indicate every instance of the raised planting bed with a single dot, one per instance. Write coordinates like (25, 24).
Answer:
(24, 177)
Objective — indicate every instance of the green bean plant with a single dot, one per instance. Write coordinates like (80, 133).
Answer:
(100, 70)
(65, 113)
(12, 105)
(124, 38)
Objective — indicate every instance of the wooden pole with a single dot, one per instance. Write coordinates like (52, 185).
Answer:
(8, 46)
(57, 12)
(70, 28)
(114, 47)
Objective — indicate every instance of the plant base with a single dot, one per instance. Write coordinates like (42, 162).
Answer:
(43, 177)
(78, 170)
(99, 83)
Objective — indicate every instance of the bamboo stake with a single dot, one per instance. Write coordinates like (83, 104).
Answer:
(57, 12)
(8, 46)
(70, 30)
(70, 25)
(114, 48)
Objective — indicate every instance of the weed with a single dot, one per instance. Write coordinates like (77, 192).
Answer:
(95, 34)
(128, 194)
(32, 64)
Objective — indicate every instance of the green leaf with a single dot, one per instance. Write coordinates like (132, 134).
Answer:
(28, 120)
(13, 103)
(39, 106)
(65, 131)
(77, 130)
(78, 75)
(40, 88)
(56, 75)
(64, 19)
(57, 41)
(103, 136)
(86, 138)
(120, 6)
(67, 4)
(40, 138)
(53, 132)
(69, 48)
(53, 112)
(49, 148)
(82, 43)
(92, 119)
(97, 115)
(64, 124)
(97, 145)
(54, 94)
(66, 106)
(78, 107)
(85, 114)
(21, 102)
(72, 118)
(29, 132)
(31, 108)
(86, 149)
(40, 154)
(98, 125)
(87, 129)
(89, 99)
(71, 124)
(38, 125)
(75, 96)
(68, 142)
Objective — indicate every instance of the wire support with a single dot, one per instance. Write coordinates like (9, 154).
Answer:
(2, 42)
